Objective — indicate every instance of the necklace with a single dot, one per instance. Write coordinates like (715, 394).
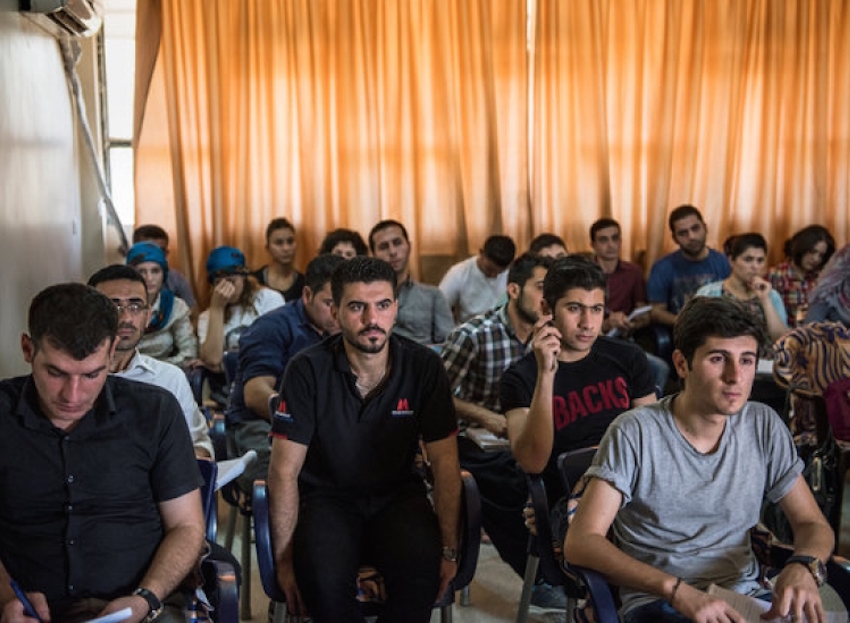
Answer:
(364, 388)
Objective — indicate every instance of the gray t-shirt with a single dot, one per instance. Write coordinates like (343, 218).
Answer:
(689, 513)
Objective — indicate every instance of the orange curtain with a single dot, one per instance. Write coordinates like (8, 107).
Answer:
(738, 107)
(460, 121)
(335, 114)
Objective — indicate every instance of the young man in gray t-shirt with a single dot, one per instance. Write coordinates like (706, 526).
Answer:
(681, 482)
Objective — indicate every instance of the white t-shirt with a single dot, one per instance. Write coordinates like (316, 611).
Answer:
(237, 318)
(469, 291)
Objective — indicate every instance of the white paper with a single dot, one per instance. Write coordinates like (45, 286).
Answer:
(637, 311)
(115, 617)
(751, 608)
(487, 440)
(765, 367)
(231, 468)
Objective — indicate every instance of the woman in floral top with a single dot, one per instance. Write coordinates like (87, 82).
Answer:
(794, 279)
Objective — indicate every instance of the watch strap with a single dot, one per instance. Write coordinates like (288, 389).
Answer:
(813, 564)
(154, 604)
(449, 553)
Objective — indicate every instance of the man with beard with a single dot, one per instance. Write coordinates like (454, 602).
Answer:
(342, 480)
(423, 312)
(125, 287)
(476, 355)
(564, 394)
(677, 276)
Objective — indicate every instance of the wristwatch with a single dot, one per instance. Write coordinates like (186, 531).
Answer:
(449, 553)
(154, 604)
(813, 564)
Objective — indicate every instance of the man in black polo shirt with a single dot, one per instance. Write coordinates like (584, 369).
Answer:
(342, 483)
(101, 509)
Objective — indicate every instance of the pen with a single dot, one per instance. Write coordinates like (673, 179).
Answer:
(29, 610)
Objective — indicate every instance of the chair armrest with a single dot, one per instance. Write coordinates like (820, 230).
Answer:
(227, 606)
(263, 538)
(470, 532)
(196, 377)
(600, 593)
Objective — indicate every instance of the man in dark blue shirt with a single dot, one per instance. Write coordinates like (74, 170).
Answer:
(265, 349)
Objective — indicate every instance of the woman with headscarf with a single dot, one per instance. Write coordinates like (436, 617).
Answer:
(830, 299)
(169, 336)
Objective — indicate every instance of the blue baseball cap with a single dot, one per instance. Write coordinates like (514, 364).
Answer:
(225, 261)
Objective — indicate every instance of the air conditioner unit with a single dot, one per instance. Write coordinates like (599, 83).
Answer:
(78, 18)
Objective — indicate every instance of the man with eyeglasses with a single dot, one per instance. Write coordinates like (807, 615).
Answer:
(125, 287)
(563, 395)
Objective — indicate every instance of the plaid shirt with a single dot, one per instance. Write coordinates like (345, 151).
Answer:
(793, 290)
(478, 352)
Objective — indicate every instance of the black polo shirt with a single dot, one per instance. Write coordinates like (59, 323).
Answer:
(79, 513)
(359, 446)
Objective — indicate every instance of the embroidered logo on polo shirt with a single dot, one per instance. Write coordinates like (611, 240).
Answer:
(402, 409)
(281, 413)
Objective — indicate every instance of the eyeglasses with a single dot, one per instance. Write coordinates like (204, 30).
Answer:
(133, 307)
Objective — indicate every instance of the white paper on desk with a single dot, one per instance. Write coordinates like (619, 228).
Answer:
(750, 608)
(115, 617)
(487, 440)
(637, 311)
(765, 367)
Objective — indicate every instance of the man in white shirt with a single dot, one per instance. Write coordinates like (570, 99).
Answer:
(126, 288)
(477, 284)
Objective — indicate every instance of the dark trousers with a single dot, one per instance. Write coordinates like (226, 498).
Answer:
(504, 492)
(396, 534)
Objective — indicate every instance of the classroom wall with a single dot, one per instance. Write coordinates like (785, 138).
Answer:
(50, 226)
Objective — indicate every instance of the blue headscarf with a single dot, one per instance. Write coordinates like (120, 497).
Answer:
(149, 252)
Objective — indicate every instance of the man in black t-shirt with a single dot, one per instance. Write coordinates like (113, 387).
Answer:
(563, 395)
(343, 484)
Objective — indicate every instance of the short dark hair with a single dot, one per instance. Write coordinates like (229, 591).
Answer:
(381, 225)
(739, 243)
(805, 240)
(278, 223)
(320, 269)
(683, 211)
(544, 240)
(522, 268)
(361, 269)
(574, 271)
(344, 235)
(72, 317)
(602, 223)
(149, 232)
(500, 249)
(703, 317)
(116, 272)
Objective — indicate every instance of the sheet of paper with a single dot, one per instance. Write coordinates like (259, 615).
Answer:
(765, 367)
(637, 311)
(751, 608)
(115, 617)
(487, 440)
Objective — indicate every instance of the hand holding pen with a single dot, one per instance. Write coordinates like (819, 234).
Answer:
(29, 609)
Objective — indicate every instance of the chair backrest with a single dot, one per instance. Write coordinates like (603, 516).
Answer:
(209, 470)
(573, 464)
(264, 543)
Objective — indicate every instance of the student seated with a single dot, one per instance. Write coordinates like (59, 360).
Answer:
(281, 274)
(342, 483)
(169, 336)
(830, 300)
(806, 252)
(746, 254)
(236, 301)
(175, 281)
(548, 245)
(477, 284)
(344, 242)
(681, 482)
(101, 509)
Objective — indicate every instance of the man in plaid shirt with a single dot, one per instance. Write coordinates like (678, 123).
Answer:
(476, 355)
